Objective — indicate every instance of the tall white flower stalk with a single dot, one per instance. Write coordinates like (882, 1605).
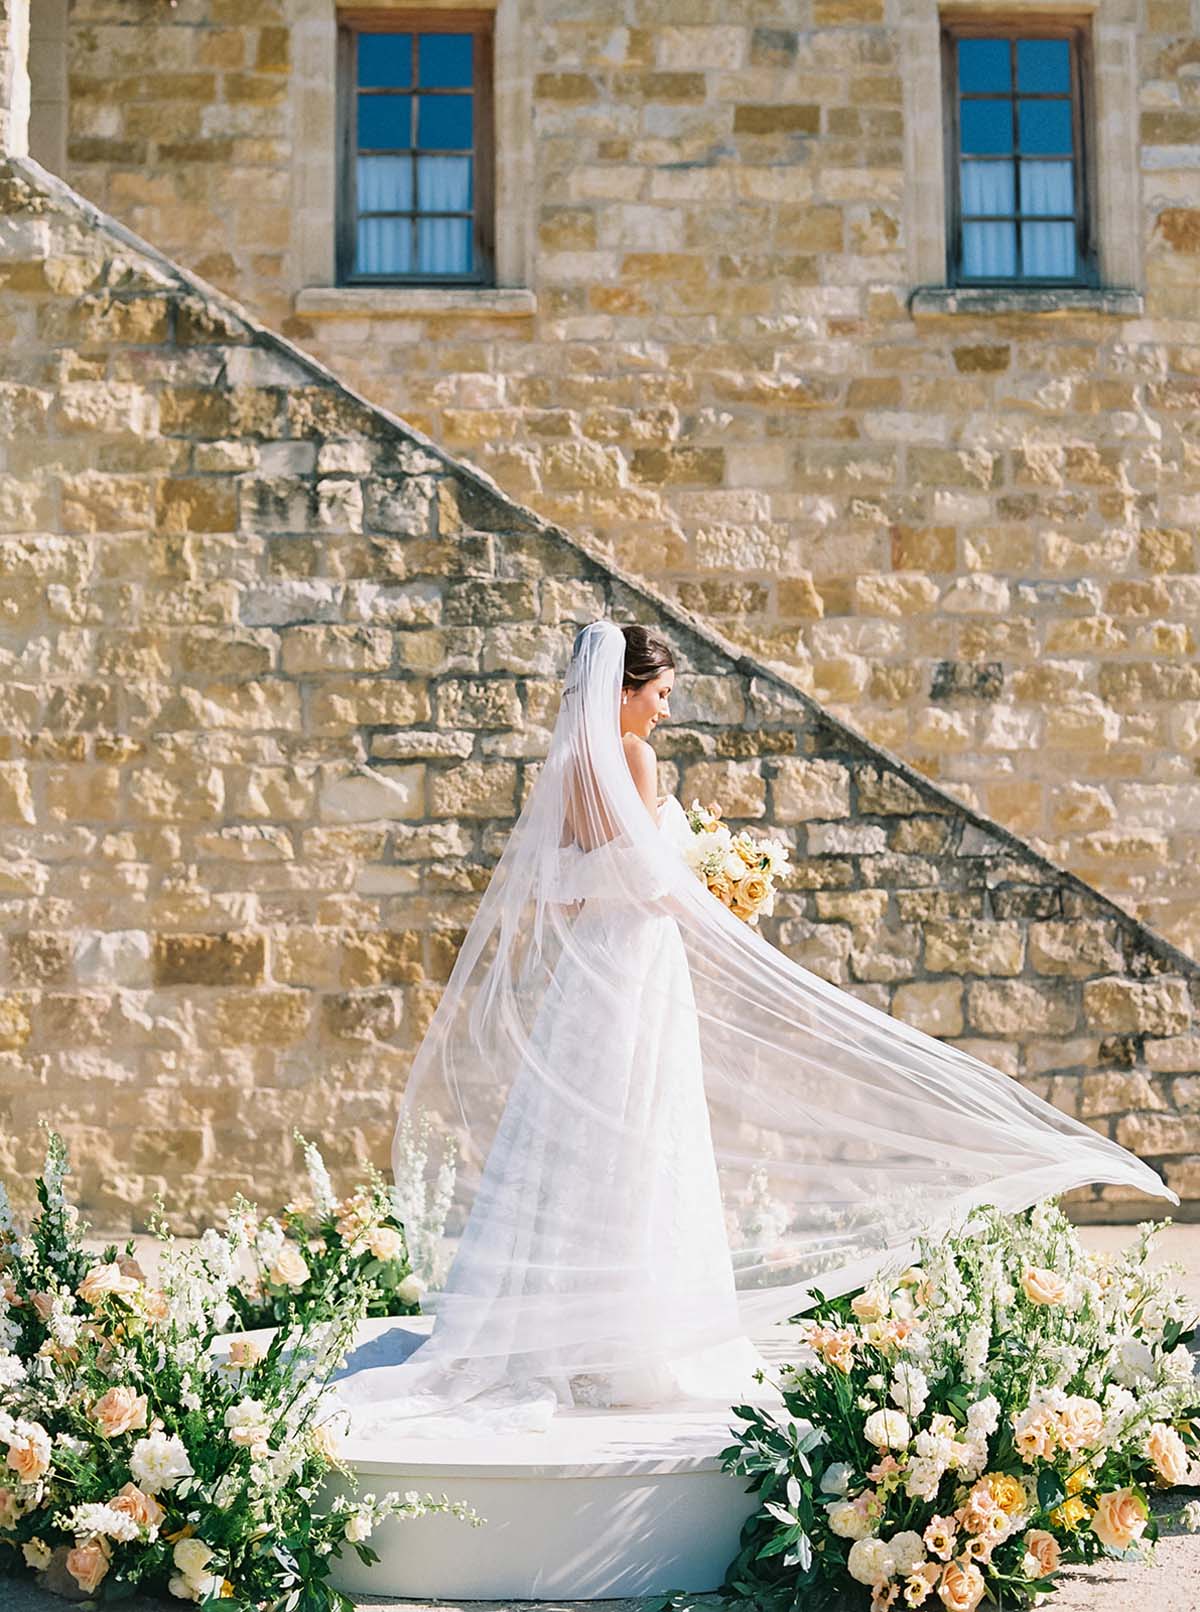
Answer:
(422, 1206)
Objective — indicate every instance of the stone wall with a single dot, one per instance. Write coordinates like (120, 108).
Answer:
(971, 535)
(275, 675)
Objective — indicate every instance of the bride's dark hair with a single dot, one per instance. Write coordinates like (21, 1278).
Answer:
(647, 654)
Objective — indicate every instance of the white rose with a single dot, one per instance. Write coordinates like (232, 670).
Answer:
(847, 1521)
(290, 1268)
(909, 1550)
(358, 1527)
(191, 1556)
(887, 1430)
(836, 1478)
(409, 1291)
(870, 1561)
(158, 1462)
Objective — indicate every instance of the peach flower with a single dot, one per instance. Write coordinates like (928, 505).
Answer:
(961, 1588)
(29, 1451)
(43, 1303)
(1169, 1454)
(88, 1563)
(1042, 1286)
(119, 1411)
(136, 1503)
(290, 1268)
(385, 1242)
(11, 1509)
(1119, 1518)
(1042, 1552)
(1080, 1423)
(244, 1353)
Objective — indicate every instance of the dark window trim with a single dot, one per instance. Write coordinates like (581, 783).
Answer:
(480, 25)
(1007, 25)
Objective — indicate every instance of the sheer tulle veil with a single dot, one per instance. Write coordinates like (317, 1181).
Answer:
(839, 1132)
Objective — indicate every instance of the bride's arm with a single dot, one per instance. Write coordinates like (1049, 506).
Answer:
(643, 764)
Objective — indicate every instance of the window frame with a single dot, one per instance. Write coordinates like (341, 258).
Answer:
(481, 26)
(1076, 31)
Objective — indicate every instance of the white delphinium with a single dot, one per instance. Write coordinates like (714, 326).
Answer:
(910, 1389)
(319, 1184)
(268, 1242)
(976, 1345)
(95, 1517)
(421, 1208)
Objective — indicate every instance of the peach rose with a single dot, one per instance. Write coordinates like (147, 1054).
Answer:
(1080, 1423)
(136, 1503)
(1169, 1454)
(154, 1305)
(88, 1563)
(43, 1303)
(1119, 1518)
(290, 1268)
(1042, 1552)
(29, 1451)
(244, 1353)
(961, 1588)
(1042, 1286)
(103, 1280)
(119, 1411)
(385, 1243)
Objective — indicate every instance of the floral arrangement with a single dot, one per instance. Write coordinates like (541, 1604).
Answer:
(319, 1246)
(963, 1427)
(138, 1452)
(739, 869)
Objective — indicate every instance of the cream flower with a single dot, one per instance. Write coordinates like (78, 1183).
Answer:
(887, 1430)
(159, 1461)
(29, 1451)
(1119, 1518)
(908, 1548)
(1043, 1286)
(105, 1280)
(385, 1243)
(243, 1354)
(120, 1410)
(290, 1268)
(37, 1554)
(848, 1520)
(358, 1527)
(409, 1291)
(939, 1537)
(191, 1556)
(870, 1561)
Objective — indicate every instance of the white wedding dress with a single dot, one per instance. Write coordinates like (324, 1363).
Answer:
(603, 1179)
(669, 1134)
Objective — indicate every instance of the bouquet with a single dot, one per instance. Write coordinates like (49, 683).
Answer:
(961, 1428)
(320, 1248)
(136, 1454)
(738, 869)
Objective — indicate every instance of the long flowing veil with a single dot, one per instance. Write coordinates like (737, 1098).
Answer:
(839, 1132)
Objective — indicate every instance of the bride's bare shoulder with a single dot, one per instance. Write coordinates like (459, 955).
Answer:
(638, 752)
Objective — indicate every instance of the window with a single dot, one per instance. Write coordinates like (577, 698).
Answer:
(415, 176)
(1017, 168)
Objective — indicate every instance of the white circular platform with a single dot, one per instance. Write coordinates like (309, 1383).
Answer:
(604, 1503)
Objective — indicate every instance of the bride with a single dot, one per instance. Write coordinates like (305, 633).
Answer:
(669, 1134)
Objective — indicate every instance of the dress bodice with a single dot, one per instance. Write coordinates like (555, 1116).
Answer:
(610, 871)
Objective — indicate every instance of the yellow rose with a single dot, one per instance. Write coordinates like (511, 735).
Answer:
(1169, 1454)
(1070, 1514)
(961, 1587)
(119, 1411)
(1042, 1552)
(1119, 1518)
(1008, 1492)
(755, 889)
(1042, 1286)
(88, 1563)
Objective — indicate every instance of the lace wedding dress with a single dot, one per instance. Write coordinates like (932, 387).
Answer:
(668, 1133)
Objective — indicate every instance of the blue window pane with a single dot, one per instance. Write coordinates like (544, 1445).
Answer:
(1044, 126)
(987, 187)
(384, 122)
(1048, 251)
(444, 122)
(989, 251)
(1047, 187)
(986, 126)
(384, 246)
(984, 66)
(384, 61)
(444, 246)
(1044, 66)
(445, 61)
(385, 184)
(444, 184)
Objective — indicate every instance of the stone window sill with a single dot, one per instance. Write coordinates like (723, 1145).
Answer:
(406, 302)
(1119, 301)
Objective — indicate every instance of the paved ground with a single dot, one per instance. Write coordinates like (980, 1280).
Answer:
(1169, 1582)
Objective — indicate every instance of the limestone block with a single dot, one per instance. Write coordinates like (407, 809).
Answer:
(1155, 1007)
(288, 602)
(473, 789)
(373, 958)
(862, 909)
(974, 947)
(886, 955)
(935, 1006)
(362, 1015)
(1079, 948)
(803, 790)
(1020, 1009)
(1174, 1054)
(342, 704)
(736, 786)
(1151, 1135)
(114, 957)
(209, 959)
(823, 948)
(15, 1025)
(846, 839)
(1116, 1092)
(886, 794)
(478, 703)
(262, 1018)
(16, 796)
(335, 648)
(369, 795)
